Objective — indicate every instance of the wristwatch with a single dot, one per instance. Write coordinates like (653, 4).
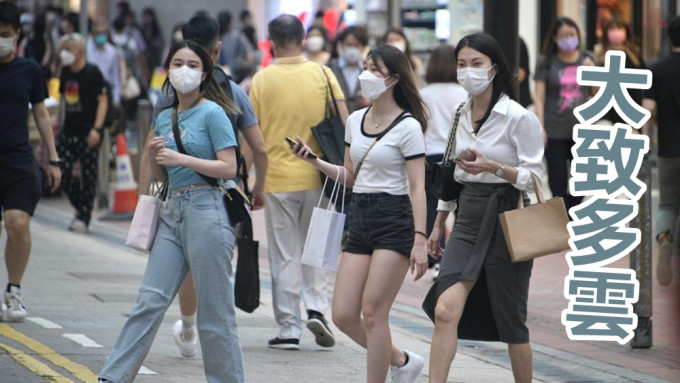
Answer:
(55, 163)
(499, 172)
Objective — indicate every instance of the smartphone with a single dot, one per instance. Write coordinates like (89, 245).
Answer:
(464, 155)
(294, 144)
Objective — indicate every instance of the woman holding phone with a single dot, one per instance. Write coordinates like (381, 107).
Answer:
(480, 294)
(384, 162)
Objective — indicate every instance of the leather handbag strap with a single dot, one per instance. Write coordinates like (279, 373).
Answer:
(382, 134)
(450, 146)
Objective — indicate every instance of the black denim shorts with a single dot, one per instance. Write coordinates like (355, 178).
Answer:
(380, 221)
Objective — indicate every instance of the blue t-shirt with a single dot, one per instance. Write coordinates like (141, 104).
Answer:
(204, 129)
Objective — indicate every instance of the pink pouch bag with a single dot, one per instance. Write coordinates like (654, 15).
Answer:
(145, 221)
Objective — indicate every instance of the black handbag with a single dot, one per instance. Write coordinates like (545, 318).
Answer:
(446, 188)
(247, 279)
(235, 201)
(330, 134)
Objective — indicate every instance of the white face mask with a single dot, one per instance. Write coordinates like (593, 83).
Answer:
(372, 86)
(6, 46)
(399, 45)
(67, 58)
(184, 79)
(351, 54)
(475, 80)
(315, 43)
(119, 40)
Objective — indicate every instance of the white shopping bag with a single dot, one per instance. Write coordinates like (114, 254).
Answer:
(145, 221)
(324, 237)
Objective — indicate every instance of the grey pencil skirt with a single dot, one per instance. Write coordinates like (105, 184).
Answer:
(496, 309)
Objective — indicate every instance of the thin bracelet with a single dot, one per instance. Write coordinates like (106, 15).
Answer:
(421, 233)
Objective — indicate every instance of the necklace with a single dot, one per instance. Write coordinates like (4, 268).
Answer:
(376, 125)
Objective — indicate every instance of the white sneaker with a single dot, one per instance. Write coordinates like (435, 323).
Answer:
(3, 309)
(185, 339)
(408, 372)
(78, 226)
(15, 309)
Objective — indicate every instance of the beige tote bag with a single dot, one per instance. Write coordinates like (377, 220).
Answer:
(536, 230)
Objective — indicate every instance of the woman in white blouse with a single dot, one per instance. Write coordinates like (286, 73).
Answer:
(480, 294)
(384, 162)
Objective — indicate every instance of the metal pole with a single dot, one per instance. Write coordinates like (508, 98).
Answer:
(501, 20)
(641, 262)
(83, 19)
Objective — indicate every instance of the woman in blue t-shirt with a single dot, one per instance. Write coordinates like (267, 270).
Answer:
(193, 225)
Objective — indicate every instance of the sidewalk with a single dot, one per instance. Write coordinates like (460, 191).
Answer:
(556, 358)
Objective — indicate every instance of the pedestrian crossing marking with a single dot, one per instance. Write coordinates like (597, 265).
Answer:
(44, 323)
(82, 340)
(145, 371)
(79, 371)
(35, 366)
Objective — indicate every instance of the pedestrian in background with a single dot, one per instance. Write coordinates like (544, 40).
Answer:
(557, 93)
(350, 46)
(289, 97)
(236, 53)
(396, 37)
(84, 104)
(316, 45)
(663, 101)
(387, 228)
(441, 96)
(104, 55)
(480, 293)
(194, 232)
(20, 179)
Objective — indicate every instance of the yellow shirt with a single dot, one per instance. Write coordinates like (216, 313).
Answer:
(289, 97)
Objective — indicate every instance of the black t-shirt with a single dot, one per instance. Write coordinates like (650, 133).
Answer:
(80, 92)
(665, 91)
(21, 83)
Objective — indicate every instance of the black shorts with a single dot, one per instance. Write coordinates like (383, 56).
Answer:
(380, 221)
(20, 188)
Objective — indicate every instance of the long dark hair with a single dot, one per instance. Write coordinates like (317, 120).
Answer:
(406, 93)
(503, 81)
(630, 46)
(549, 45)
(209, 88)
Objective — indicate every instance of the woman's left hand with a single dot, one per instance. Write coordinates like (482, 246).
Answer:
(480, 164)
(418, 259)
(169, 157)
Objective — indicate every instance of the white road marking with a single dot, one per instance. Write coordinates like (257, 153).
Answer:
(82, 340)
(44, 323)
(145, 371)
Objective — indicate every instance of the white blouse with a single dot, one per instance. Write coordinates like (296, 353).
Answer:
(511, 136)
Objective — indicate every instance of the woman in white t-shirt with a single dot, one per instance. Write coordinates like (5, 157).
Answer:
(441, 96)
(387, 228)
(480, 294)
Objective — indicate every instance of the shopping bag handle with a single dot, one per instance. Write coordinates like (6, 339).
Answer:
(537, 190)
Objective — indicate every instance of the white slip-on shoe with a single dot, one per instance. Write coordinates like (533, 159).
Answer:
(408, 372)
(185, 339)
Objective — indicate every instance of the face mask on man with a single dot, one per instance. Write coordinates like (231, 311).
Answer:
(184, 79)
(351, 54)
(67, 58)
(6, 46)
(616, 36)
(119, 39)
(100, 39)
(315, 43)
(372, 86)
(567, 44)
(475, 80)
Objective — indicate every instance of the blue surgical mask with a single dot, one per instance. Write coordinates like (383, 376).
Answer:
(101, 39)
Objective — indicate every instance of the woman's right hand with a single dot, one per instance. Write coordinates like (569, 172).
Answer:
(433, 247)
(301, 150)
(155, 144)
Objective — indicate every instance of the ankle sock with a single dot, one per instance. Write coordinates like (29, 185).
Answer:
(188, 320)
(9, 287)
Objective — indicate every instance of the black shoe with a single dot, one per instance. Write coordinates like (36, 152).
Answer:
(318, 325)
(284, 344)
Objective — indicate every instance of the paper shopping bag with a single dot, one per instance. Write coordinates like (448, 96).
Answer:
(318, 250)
(144, 223)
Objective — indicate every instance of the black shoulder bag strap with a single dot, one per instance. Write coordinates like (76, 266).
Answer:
(178, 140)
(404, 115)
(330, 89)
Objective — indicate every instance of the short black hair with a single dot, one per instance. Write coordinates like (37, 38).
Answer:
(673, 31)
(245, 13)
(73, 19)
(224, 19)
(358, 31)
(9, 14)
(202, 30)
(118, 24)
(286, 29)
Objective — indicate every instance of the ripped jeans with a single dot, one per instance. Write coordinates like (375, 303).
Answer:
(194, 234)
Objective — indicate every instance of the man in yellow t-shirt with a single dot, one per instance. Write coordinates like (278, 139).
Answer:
(289, 97)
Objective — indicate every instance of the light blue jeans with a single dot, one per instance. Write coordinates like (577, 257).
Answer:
(194, 233)
(669, 194)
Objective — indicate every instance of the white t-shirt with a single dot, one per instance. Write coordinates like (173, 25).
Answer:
(441, 99)
(384, 169)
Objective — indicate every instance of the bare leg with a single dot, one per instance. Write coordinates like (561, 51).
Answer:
(348, 296)
(521, 359)
(448, 312)
(18, 246)
(187, 297)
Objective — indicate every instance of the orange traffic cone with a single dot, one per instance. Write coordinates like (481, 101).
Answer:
(125, 189)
